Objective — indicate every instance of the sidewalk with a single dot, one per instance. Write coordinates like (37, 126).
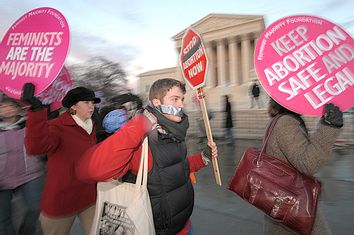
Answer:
(220, 211)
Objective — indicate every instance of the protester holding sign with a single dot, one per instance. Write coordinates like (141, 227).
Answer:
(165, 124)
(305, 63)
(291, 142)
(63, 139)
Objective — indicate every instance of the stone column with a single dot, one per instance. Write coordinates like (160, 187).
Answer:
(255, 42)
(233, 60)
(210, 79)
(253, 48)
(245, 58)
(238, 62)
(220, 53)
(256, 38)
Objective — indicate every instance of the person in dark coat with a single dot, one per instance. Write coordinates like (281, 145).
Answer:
(254, 93)
(64, 140)
(228, 121)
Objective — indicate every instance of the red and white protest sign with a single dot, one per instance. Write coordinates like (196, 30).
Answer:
(33, 50)
(55, 93)
(304, 62)
(193, 59)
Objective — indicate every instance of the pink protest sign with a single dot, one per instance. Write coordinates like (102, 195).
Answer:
(304, 62)
(55, 93)
(33, 50)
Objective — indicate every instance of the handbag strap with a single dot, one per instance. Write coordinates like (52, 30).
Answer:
(141, 179)
(269, 131)
(267, 136)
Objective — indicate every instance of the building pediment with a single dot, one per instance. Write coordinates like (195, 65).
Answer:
(158, 72)
(217, 22)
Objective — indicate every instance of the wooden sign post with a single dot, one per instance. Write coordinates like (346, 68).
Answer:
(194, 63)
(208, 132)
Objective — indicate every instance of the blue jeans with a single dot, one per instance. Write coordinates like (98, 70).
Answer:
(31, 193)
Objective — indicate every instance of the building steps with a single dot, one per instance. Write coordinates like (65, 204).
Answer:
(251, 124)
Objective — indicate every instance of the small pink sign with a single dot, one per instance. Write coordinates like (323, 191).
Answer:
(55, 93)
(304, 62)
(33, 50)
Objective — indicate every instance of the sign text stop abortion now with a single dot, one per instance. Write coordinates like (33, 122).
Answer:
(301, 55)
(193, 52)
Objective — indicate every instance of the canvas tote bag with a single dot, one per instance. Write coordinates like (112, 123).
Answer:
(124, 208)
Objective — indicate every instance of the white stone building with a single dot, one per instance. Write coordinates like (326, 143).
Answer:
(229, 41)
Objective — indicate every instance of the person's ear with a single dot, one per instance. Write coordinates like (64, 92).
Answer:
(156, 102)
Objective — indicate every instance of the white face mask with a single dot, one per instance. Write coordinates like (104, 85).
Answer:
(170, 109)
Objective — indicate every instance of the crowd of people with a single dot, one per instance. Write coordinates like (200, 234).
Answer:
(79, 147)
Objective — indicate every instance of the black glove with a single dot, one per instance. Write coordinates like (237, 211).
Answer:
(28, 97)
(332, 116)
(52, 115)
(207, 152)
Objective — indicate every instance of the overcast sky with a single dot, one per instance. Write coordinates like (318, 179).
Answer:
(138, 33)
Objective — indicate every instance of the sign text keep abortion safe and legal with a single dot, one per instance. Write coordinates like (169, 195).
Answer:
(304, 62)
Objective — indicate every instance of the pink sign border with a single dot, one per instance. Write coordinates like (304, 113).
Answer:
(16, 92)
(261, 58)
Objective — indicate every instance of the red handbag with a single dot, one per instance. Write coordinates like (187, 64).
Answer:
(276, 187)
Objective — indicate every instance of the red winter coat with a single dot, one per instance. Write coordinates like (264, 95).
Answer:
(64, 142)
(120, 153)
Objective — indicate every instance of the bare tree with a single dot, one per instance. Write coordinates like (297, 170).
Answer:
(100, 74)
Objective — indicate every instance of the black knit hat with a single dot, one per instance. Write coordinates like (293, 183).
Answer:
(79, 94)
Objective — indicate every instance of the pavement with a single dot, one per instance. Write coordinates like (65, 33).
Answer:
(220, 211)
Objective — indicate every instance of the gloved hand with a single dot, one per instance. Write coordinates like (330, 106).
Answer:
(52, 115)
(332, 116)
(210, 151)
(28, 97)
(151, 117)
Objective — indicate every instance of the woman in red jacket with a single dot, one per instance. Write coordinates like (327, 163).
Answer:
(63, 139)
